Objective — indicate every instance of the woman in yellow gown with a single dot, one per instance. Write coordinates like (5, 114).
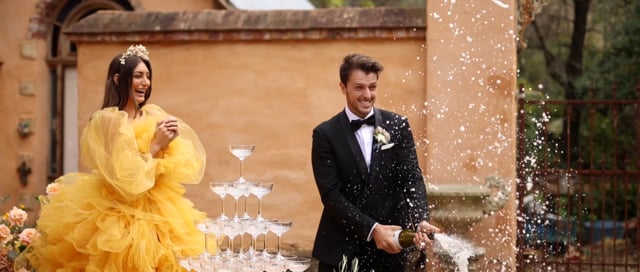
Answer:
(128, 213)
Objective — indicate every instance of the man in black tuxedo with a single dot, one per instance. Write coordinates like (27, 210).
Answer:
(367, 173)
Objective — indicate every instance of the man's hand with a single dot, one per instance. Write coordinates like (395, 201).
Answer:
(421, 240)
(383, 236)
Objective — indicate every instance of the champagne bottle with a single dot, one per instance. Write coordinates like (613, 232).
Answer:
(404, 238)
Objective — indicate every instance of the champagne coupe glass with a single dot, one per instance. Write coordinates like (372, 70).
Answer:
(279, 228)
(250, 226)
(260, 190)
(215, 227)
(197, 264)
(241, 225)
(227, 254)
(241, 151)
(183, 261)
(202, 226)
(236, 190)
(231, 229)
(247, 192)
(298, 264)
(254, 227)
(265, 252)
(190, 263)
(220, 189)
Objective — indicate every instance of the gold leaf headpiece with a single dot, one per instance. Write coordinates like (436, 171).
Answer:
(135, 50)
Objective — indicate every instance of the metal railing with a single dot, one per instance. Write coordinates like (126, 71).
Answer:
(578, 190)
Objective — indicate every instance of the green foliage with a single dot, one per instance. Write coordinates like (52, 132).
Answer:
(543, 128)
(613, 201)
(611, 49)
(609, 139)
(619, 60)
(532, 72)
(611, 53)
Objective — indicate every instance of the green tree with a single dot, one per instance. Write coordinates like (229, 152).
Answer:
(573, 45)
(578, 50)
(619, 61)
(556, 40)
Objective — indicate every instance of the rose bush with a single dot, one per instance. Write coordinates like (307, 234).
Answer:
(15, 237)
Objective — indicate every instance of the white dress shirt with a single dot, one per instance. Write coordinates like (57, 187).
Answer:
(364, 135)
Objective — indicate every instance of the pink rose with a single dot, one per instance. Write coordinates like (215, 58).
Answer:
(28, 235)
(17, 217)
(52, 188)
(5, 234)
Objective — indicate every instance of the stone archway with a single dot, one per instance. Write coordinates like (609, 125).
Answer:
(49, 21)
(46, 11)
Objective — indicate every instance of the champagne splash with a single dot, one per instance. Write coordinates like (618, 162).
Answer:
(460, 250)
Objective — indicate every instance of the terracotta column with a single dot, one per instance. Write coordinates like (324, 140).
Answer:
(471, 107)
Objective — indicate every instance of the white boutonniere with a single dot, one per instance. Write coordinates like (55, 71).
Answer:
(382, 138)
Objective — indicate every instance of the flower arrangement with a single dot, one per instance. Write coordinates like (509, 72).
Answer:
(51, 190)
(14, 236)
(382, 138)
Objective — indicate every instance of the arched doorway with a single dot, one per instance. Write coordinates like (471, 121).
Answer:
(61, 59)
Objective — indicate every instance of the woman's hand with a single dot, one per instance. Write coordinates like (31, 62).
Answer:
(166, 131)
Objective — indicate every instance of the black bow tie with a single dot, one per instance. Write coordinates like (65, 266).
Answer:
(356, 124)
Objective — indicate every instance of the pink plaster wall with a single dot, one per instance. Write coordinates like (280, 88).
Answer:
(471, 96)
(14, 19)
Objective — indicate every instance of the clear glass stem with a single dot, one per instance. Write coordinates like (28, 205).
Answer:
(231, 244)
(252, 248)
(222, 212)
(259, 216)
(217, 246)
(246, 200)
(240, 251)
(241, 179)
(235, 210)
(206, 246)
(279, 254)
(264, 243)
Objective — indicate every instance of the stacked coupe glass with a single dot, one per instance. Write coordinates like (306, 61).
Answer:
(251, 258)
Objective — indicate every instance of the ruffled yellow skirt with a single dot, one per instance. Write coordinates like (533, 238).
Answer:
(86, 228)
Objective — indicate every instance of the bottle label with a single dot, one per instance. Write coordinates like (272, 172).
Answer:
(396, 238)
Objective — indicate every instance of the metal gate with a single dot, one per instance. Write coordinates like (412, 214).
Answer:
(578, 171)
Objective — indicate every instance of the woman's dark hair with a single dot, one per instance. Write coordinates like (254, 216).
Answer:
(116, 94)
(358, 62)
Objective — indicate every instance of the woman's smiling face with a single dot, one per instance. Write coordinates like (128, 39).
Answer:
(140, 83)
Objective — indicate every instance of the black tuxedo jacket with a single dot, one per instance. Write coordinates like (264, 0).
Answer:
(354, 198)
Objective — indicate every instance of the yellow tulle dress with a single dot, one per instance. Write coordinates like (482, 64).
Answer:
(128, 213)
